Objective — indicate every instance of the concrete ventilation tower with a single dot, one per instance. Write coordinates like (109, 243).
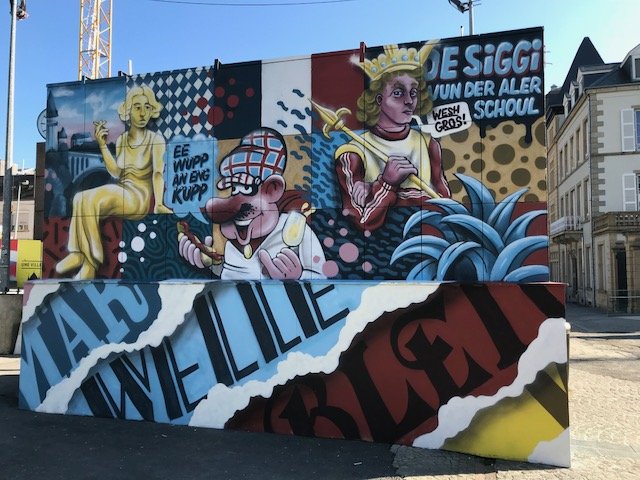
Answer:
(94, 60)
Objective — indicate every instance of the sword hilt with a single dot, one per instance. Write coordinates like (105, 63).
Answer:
(333, 121)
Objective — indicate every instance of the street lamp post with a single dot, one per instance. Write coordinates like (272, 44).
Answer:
(7, 183)
(22, 183)
(17, 223)
(465, 7)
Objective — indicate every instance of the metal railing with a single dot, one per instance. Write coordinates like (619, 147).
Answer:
(566, 224)
(627, 303)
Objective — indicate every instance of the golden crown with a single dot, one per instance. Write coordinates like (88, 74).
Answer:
(394, 59)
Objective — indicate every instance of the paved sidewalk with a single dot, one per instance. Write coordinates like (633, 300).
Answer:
(604, 393)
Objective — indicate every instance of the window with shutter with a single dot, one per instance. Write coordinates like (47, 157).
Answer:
(637, 114)
(628, 130)
(630, 192)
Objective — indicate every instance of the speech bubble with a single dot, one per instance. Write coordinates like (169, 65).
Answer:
(190, 166)
(446, 119)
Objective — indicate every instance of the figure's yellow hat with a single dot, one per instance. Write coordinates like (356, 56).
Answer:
(395, 59)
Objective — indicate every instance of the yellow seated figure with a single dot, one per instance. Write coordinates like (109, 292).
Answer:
(138, 166)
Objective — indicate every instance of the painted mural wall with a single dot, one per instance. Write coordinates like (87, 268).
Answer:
(476, 368)
(416, 161)
(341, 245)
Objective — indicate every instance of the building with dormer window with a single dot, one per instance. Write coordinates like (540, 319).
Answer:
(593, 154)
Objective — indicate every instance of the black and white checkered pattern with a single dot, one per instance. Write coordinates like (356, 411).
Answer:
(185, 95)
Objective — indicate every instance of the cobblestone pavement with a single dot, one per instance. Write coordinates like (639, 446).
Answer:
(604, 399)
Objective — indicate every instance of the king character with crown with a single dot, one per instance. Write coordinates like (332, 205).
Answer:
(391, 164)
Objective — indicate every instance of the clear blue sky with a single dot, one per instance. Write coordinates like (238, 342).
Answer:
(164, 36)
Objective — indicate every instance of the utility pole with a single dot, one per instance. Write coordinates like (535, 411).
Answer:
(7, 184)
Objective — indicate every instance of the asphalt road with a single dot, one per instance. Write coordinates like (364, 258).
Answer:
(34, 445)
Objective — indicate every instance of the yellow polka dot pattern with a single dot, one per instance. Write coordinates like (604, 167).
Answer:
(503, 160)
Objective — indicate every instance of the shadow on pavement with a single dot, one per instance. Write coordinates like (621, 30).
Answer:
(612, 336)
(415, 462)
(34, 445)
(589, 320)
(600, 359)
(9, 389)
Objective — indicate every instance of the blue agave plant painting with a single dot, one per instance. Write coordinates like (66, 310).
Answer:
(479, 243)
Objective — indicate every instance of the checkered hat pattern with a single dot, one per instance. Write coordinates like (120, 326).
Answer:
(260, 154)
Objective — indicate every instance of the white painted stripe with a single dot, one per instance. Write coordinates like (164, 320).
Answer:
(223, 402)
(279, 80)
(176, 303)
(550, 346)
(375, 203)
(348, 175)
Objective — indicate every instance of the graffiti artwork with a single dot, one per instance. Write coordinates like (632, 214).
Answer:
(379, 361)
(251, 220)
(427, 151)
(309, 209)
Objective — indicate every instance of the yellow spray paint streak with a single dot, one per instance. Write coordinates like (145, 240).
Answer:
(513, 427)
